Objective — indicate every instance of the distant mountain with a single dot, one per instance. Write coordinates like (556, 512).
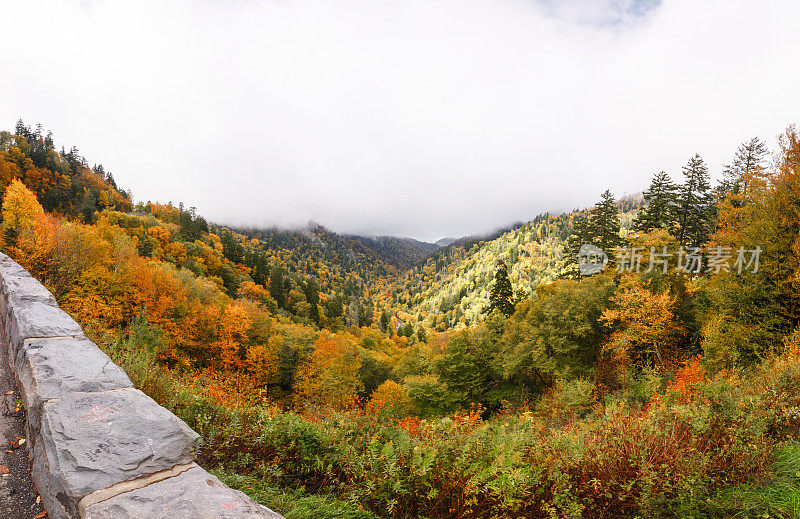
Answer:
(444, 242)
(400, 252)
(364, 259)
(467, 242)
(315, 242)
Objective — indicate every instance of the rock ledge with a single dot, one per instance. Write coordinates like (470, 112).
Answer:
(99, 448)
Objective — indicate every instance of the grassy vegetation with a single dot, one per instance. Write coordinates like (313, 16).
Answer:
(293, 504)
(780, 497)
(698, 446)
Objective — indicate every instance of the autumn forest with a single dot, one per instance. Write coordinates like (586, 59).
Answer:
(341, 376)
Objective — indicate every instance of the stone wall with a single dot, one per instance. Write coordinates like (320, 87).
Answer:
(99, 448)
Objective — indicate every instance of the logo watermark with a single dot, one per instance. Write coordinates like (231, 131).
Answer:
(689, 260)
(591, 259)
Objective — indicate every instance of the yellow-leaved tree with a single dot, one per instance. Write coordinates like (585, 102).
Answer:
(393, 400)
(329, 380)
(21, 209)
(27, 231)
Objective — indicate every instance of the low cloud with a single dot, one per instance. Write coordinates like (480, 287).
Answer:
(423, 119)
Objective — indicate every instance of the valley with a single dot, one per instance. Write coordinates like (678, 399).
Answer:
(343, 376)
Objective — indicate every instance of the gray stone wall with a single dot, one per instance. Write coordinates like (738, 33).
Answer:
(99, 447)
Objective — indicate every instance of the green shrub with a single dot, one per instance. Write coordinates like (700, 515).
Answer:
(704, 447)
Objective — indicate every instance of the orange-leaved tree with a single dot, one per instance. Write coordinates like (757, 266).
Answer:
(643, 320)
(232, 335)
(755, 303)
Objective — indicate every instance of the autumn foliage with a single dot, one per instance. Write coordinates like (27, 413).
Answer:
(330, 374)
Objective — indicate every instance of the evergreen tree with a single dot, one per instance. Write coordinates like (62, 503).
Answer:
(334, 308)
(660, 209)
(501, 296)
(88, 207)
(312, 297)
(694, 204)
(230, 279)
(100, 170)
(364, 313)
(579, 235)
(256, 260)
(276, 286)
(604, 223)
(581, 231)
(407, 330)
(748, 161)
(189, 232)
(231, 248)
(384, 321)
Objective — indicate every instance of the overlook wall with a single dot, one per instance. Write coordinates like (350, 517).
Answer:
(100, 449)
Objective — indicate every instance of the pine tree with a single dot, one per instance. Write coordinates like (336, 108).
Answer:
(231, 248)
(407, 330)
(581, 231)
(747, 162)
(660, 209)
(312, 297)
(88, 207)
(694, 204)
(385, 321)
(276, 286)
(579, 234)
(501, 296)
(604, 223)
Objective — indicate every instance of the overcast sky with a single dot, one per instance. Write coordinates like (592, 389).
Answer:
(421, 118)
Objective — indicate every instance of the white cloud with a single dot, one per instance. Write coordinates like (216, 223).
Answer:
(422, 118)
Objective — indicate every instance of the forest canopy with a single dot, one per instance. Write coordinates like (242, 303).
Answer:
(486, 378)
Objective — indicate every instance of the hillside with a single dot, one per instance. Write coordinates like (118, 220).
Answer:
(340, 262)
(63, 181)
(451, 289)
(316, 241)
(328, 382)
(400, 252)
(343, 274)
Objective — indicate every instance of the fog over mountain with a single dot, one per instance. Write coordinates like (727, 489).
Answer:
(422, 119)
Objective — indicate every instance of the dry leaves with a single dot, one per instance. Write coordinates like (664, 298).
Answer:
(4, 470)
(40, 515)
